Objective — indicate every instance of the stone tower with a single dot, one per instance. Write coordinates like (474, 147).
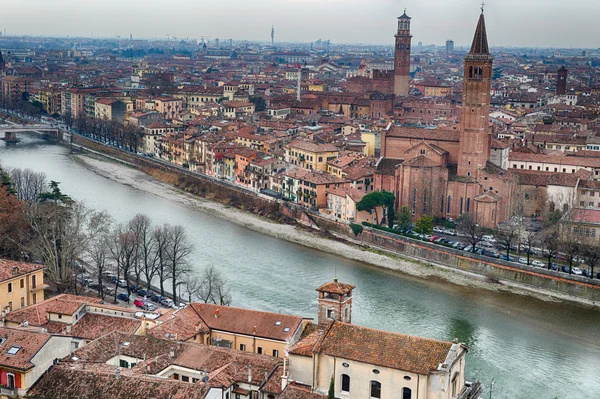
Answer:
(335, 302)
(475, 138)
(561, 81)
(402, 56)
(2, 65)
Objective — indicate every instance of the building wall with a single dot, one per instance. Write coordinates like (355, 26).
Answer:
(56, 347)
(22, 295)
(252, 343)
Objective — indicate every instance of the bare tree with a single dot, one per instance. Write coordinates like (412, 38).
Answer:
(528, 242)
(209, 287)
(123, 250)
(161, 237)
(470, 229)
(591, 256)
(551, 245)
(98, 249)
(179, 249)
(507, 237)
(60, 237)
(570, 244)
(28, 184)
(146, 263)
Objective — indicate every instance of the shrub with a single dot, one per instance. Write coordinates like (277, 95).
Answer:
(356, 229)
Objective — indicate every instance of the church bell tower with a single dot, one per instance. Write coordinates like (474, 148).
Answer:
(402, 56)
(475, 138)
(335, 302)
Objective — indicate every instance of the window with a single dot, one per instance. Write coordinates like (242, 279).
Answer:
(425, 201)
(243, 347)
(22, 301)
(406, 393)
(34, 295)
(275, 353)
(448, 204)
(330, 313)
(345, 383)
(460, 208)
(468, 205)
(33, 281)
(185, 378)
(11, 380)
(123, 363)
(259, 350)
(375, 389)
(13, 350)
(22, 283)
(9, 288)
(10, 306)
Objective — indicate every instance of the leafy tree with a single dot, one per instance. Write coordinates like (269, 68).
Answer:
(374, 200)
(259, 103)
(331, 393)
(356, 229)
(54, 195)
(424, 224)
(404, 219)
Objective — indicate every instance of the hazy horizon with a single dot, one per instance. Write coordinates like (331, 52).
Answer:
(539, 23)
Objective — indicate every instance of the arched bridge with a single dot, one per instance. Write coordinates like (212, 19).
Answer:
(10, 131)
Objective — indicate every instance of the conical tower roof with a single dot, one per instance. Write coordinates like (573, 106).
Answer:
(480, 43)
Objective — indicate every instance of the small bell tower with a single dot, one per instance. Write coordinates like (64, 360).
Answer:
(335, 302)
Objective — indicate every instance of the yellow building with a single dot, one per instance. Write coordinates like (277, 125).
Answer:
(371, 139)
(309, 155)
(21, 284)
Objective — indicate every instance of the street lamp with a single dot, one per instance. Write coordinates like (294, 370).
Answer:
(491, 387)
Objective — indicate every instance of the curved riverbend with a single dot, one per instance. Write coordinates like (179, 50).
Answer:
(532, 348)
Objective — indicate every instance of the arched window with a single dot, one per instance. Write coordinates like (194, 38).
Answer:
(470, 72)
(460, 208)
(375, 389)
(448, 204)
(468, 205)
(406, 393)
(345, 383)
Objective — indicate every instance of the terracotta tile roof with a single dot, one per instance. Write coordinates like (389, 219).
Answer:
(563, 179)
(305, 346)
(29, 342)
(387, 166)
(65, 382)
(336, 287)
(425, 134)
(62, 306)
(179, 325)
(93, 326)
(244, 321)
(313, 177)
(293, 391)
(591, 216)
(383, 348)
(312, 147)
(421, 161)
(273, 384)
(8, 271)
(37, 315)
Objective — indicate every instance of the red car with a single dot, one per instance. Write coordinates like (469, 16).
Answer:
(138, 302)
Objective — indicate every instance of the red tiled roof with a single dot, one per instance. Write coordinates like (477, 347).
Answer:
(10, 269)
(383, 348)
(244, 321)
(29, 342)
(37, 315)
(93, 326)
(336, 287)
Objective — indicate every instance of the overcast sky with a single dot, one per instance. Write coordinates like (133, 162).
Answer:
(543, 23)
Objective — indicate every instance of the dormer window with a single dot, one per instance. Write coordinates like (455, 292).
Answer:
(13, 350)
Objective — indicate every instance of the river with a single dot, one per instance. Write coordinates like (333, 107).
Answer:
(531, 348)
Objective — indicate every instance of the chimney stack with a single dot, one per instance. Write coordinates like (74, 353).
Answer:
(217, 313)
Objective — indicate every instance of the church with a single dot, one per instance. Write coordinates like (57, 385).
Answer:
(448, 172)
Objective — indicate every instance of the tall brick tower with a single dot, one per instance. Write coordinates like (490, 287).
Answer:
(561, 81)
(475, 138)
(335, 302)
(402, 56)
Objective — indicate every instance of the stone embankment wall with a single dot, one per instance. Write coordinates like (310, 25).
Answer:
(494, 269)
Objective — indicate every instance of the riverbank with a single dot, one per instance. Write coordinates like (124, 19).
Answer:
(338, 245)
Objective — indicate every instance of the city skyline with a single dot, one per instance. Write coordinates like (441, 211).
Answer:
(434, 21)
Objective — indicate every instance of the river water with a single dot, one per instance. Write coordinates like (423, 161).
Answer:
(530, 348)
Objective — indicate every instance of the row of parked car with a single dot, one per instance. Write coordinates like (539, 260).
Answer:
(146, 294)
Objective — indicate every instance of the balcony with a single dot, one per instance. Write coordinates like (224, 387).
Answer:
(8, 392)
(471, 390)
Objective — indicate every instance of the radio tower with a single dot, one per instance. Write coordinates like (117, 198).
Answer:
(272, 35)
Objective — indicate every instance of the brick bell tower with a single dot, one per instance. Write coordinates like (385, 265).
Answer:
(335, 302)
(402, 56)
(475, 138)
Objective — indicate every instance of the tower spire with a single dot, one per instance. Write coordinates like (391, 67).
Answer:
(480, 42)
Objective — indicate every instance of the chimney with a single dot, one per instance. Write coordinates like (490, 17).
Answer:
(254, 330)
(217, 313)
(143, 326)
(249, 374)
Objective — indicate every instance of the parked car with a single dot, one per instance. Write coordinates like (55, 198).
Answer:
(87, 282)
(450, 232)
(143, 292)
(508, 258)
(576, 271)
(488, 238)
(94, 286)
(133, 288)
(149, 307)
(157, 298)
(586, 273)
(487, 244)
(523, 260)
(139, 303)
(108, 290)
(167, 302)
(438, 229)
(433, 238)
(554, 266)
(113, 279)
(123, 297)
(122, 283)
(565, 269)
(538, 263)
(491, 254)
